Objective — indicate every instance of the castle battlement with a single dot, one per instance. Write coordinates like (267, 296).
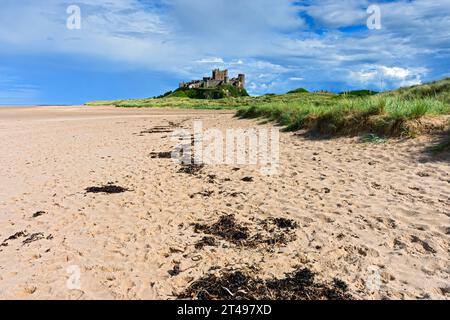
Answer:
(218, 78)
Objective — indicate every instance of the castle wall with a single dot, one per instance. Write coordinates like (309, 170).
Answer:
(218, 78)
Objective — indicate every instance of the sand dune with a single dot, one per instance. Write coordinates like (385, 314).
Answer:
(376, 216)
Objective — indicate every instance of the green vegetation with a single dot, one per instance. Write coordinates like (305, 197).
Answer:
(178, 102)
(222, 97)
(220, 92)
(394, 113)
(382, 115)
(176, 99)
(299, 90)
(168, 93)
(358, 93)
(439, 90)
(372, 138)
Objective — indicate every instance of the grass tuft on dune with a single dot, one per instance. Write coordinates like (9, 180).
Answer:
(383, 115)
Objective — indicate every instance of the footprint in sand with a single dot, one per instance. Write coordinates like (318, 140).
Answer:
(424, 244)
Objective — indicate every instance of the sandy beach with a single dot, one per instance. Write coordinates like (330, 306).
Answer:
(376, 216)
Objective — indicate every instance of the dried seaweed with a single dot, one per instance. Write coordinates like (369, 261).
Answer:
(283, 223)
(158, 129)
(16, 236)
(192, 169)
(234, 194)
(109, 189)
(277, 231)
(38, 214)
(206, 242)
(204, 193)
(29, 238)
(240, 285)
(34, 237)
(160, 155)
(226, 228)
(175, 271)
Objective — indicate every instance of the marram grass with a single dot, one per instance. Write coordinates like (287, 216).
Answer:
(383, 115)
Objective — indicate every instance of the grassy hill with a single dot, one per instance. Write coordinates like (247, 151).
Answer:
(220, 92)
(299, 90)
(176, 100)
(225, 96)
(395, 113)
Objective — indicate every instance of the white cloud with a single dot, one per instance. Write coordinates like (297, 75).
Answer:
(335, 14)
(395, 72)
(392, 76)
(212, 60)
(296, 79)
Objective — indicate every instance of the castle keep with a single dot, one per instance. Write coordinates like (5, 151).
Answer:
(218, 78)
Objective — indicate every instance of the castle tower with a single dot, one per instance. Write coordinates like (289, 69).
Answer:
(241, 78)
(219, 75)
(214, 74)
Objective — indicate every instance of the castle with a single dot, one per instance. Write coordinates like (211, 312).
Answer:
(218, 78)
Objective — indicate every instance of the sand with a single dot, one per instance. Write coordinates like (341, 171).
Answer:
(376, 216)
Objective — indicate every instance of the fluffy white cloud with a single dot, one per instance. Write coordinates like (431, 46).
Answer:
(395, 72)
(391, 76)
(212, 60)
(335, 14)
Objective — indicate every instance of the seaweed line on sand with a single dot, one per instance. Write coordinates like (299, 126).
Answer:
(276, 231)
(108, 189)
(245, 285)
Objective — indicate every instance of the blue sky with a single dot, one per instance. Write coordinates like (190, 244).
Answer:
(142, 48)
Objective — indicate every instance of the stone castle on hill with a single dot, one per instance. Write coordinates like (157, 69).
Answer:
(218, 78)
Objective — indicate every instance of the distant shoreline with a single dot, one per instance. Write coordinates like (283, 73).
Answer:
(39, 105)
